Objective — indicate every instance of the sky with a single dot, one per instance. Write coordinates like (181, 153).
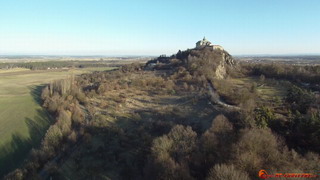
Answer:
(154, 27)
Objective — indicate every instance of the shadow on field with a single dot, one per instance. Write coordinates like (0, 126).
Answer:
(35, 92)
(12, 154)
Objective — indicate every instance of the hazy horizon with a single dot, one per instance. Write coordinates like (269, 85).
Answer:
(144, 55)
(151, 28)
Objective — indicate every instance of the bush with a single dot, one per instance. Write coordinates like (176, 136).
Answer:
(101, 89)
(171, 154)
(262, 78)
(169, 85)
(45, 93)
(72, 137)
(263, 117)
(304, 130)
(81, 97)
(64, 122)
(131, 67)
(78, 115)
(226, 172)
(217, 140)
(299, 99)
(53, 137)
(258, 149)
(178, 144)
(184, 142)
(17, 174)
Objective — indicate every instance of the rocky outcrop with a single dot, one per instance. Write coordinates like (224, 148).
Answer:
(207, 61)
(227, 58)
(221, 70)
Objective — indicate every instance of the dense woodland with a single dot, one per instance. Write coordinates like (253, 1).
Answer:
(55, 64)
(296, 73)
(100, 140)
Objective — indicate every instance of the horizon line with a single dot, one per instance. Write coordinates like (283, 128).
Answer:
(150, 55)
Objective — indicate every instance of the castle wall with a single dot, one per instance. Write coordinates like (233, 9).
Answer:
(218, 47)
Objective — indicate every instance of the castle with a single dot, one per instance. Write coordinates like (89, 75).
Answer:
(205, 43)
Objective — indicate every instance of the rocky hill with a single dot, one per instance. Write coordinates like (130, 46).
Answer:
(208, 61)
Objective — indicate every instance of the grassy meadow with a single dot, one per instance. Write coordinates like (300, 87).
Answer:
(268, 91)
(22, 119)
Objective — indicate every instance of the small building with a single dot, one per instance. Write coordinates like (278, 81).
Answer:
(205, 43)
(202, 43)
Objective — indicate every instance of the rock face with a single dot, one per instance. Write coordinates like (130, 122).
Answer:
(210, 62)
(221, 71)
(227, 60)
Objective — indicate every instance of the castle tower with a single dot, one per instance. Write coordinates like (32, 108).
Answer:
(202, 43)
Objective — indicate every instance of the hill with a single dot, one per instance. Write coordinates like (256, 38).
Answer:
(210, 62)
(197, 114)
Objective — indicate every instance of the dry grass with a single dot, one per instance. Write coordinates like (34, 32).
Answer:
(268, 91)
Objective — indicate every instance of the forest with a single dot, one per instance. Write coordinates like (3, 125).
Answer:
(56, 64)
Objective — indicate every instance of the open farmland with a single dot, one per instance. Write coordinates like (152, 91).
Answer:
(22, 119)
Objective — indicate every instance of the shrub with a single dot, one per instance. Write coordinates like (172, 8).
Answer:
(17, 174)
(220, 124)
(217, 140)
(101, 89)
(78, 115)
(304, 130)
(184, 141)
(52, 106)
(169, 85)
(179, 143)
(72, 137)
(262, 78)
(263, 117)
(53, 137)
(64, 121)
(81, 97)
(299, 99)
(226, 172)
(171, 154)
(257, 149)
(185, 86)
(45, 93)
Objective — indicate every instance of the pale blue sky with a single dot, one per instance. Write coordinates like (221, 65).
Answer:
(140, 27)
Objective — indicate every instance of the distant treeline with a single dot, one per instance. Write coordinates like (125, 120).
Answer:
(306, 74)
(56, 64)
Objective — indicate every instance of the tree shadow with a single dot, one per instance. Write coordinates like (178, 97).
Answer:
(35, 92)
(15, 152)
(11, 153)
(124, 146)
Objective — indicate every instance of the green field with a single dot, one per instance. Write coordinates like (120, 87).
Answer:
(22, 120)
(269, 91)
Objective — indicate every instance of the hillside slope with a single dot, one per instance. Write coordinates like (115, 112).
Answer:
(159, 121)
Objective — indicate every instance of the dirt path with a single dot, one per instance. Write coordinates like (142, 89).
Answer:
(216, 99)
